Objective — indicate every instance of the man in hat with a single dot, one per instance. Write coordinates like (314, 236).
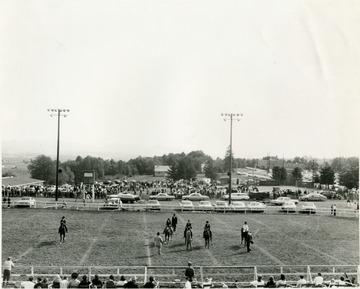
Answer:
(189, 272)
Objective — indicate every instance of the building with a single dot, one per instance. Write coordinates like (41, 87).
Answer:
(160, 171)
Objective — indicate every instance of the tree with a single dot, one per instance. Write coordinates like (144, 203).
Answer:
(350, 178)
(66, 176)
(297, 175)
(279, 174)
(186, 169)
(42, 168)
(327, 175)
(210, 170)
(172, 173)
(227, 160)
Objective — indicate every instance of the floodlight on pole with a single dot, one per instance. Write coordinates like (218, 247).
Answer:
(231, 117)
(58, 113)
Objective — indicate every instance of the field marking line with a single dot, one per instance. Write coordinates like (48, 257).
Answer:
(147, 242)
(211, 255)
(320, 253)
(31, 248)
(93, 242)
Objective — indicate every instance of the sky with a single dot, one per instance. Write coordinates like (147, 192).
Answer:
(153, 77)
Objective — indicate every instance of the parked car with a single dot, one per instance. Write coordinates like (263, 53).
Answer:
(112, 204)
(162, 197)
(205, 206)
(153, 205)
(195, 197)
(313, 197)
(186, 205)
(257, 207)
(126, 197)
(237, 197)
(281, 200)
(288, 206)
(308, 207)
(238, 206)
(221, 205)
(26, 202)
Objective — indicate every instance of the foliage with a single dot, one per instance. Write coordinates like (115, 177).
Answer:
(210, 170)
(296, 174)
(327, 175)
(42, 168)
(7, 174)
(172, 173)
(227, 160)
(350, 178)
(279, 174)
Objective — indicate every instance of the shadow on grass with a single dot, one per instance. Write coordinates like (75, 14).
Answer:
(45, 243)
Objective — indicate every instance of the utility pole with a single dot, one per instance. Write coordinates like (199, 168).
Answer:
(58, 113)
(230, 116)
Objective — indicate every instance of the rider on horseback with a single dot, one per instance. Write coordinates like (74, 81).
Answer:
(207, 230)
(188, 226)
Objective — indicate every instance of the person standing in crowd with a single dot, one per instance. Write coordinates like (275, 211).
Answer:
(8, 265)
(188, 239)
(158, 242)
(174, 222)
(190, 272)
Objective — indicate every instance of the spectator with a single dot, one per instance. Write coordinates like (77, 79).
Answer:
(189, 272)
(38, 284)
(207, 283)
(187, 283)
(8, 265)
(281, 282)
(301, 282)
(9, 202)
(64, 282)
(258, 283)
(151, 283)
(28, 284)
(97, 282)
(334, 208)
(84, 282)
(74, 282)
(56, 282)
(318, 280)
(158, 242)
(132, 283)
(270, 283)
(110, 283)
(122, 282)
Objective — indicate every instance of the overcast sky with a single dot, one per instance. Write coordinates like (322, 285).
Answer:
(153, 77)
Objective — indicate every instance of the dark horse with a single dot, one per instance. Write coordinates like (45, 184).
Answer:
(207, 235)
(243, 236)
(168, 233)
(62, 231)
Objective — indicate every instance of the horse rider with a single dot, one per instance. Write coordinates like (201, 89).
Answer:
(188, 226)
(168, 222)
(248, 241)
(207, 225)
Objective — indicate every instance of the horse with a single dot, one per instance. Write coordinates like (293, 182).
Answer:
(207, 235)
(243, 236)
(168, 233)
(62, 230)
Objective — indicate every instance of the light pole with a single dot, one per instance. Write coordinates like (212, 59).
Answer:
(58, 113)
(231, 116)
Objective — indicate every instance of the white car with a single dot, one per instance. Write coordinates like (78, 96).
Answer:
(195, 197)
(313, 197)
(281, 200)
(26, 202)
(237, 197)
(238, 206)
(308, 207)
(153, 205)
(162, 197)
(205, 206)
(221, 205)
(186, 205)
(112, 204)
(257, 207)
(288, 206)
(126, 197)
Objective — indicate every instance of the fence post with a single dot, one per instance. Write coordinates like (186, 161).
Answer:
(201, 275)
(281, 270)
(255, 273)
(89, 275)
(55, 205)
(32, 271)
(61, 271)
(145, 274)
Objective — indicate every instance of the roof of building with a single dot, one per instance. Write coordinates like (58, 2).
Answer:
(19, 181)
(161, 168)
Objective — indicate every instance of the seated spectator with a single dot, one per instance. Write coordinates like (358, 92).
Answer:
(281, 282)
(64, 282)
(84, 282)
(343, 282)
(28, 284)
(270, 283)
(97, 282)
(132, 283)
(301, 282)
(110, 283)
(207, 283)
(258, 283)
(56, 282)
(38, 283)
(74, 282)
(122, 282)
(151, 283)
(318, 280)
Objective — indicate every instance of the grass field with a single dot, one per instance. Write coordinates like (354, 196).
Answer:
(125, 238)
